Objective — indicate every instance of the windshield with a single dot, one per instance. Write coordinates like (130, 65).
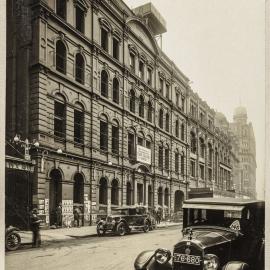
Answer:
(223, 218)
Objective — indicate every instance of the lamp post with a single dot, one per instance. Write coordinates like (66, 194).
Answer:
(26, 145)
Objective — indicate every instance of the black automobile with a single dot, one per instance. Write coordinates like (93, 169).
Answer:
(124, 220)
(218, 234)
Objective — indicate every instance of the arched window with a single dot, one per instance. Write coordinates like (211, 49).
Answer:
(60, 117)
(61, 8)
(193, 142)
(115, 137)
(114, 192)
(115, 91)
(129, 193)
(104, 133)
(79, 72)
(166, 197)
(176, 160)
(160, 157)
(177, 128)
(167, 158)
(167, 122)
(131, 145)
(103, 191)
(150, 112)
(141, 107)
(182, 132)
(160, 196)
(132, 101)
(61, 57)
(78, 124)
(104, 83)
(161, 118)
(202, 148)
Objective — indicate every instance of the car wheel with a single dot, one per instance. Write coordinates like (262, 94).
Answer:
(121, 229)
(13, 241)
(146, 227)
(100, 230)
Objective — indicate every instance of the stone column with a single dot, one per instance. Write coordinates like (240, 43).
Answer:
(109, 200)
(146, 193)
(135, 192)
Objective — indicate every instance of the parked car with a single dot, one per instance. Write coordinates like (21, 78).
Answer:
(218, 234)
(12, 238)
(124, 220)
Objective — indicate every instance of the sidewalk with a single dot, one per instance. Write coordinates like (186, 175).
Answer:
(62, 234)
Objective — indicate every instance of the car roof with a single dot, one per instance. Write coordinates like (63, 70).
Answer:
(128, 207)
(224, 201)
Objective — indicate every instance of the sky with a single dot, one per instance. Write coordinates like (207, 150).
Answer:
(220, 46)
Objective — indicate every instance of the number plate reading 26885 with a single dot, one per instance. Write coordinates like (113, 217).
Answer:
(188, 259)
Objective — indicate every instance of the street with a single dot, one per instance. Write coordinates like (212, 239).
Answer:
(92, 252)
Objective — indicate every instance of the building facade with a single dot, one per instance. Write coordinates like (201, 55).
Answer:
(246, 183)
(116, 121)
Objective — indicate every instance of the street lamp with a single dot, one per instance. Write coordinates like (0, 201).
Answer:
(26, 145)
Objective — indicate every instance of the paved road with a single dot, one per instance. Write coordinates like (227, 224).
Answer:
(95, 253)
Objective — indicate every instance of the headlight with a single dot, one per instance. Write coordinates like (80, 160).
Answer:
(162, 256)
(210, 262)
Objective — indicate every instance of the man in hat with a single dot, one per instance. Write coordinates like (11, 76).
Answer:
(35, 227)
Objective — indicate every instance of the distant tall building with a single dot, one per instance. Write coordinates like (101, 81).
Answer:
(243, 130)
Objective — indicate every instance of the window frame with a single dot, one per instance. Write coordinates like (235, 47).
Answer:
(80, 125)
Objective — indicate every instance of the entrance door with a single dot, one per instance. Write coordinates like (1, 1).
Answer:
(55, 193)
(139, 193)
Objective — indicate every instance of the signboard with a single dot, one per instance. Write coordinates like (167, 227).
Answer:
(143, 154)
(19, 166)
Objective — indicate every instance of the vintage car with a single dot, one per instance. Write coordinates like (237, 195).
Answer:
(218, 234)
(124, 220)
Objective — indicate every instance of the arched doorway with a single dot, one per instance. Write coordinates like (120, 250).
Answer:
(129, 193)
(114, 192)
(178, 200)
(55, 193)
(103, 191)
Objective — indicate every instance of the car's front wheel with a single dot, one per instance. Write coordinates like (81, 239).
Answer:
(101, 230)
(146, 226)
(121, 229)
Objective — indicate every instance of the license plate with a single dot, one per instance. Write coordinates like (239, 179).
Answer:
(188, 259)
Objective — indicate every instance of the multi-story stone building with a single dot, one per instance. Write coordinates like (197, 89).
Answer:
(246, 183)
(116, 120)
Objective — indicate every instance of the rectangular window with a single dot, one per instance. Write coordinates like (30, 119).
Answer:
(132, 62)
(149, 76)
(140, 141)
(103, 136)
(167, 91)
(202, 171)
(148, 144)
(115, 140)
(104, 39)
(182, 164)
(115, 48)
(192, 168)
(161, 86)
(78, 126)
(141, 70)
(79, 19)
(167, 158)
(177, 99)
(131, 146)
(160, 157)
(59, 119)
(61, 8)
(210, 174)
(176, 159)
(183, 103)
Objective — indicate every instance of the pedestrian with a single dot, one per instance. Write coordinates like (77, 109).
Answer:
(76, 217)
(35, 227)
(59, 215)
